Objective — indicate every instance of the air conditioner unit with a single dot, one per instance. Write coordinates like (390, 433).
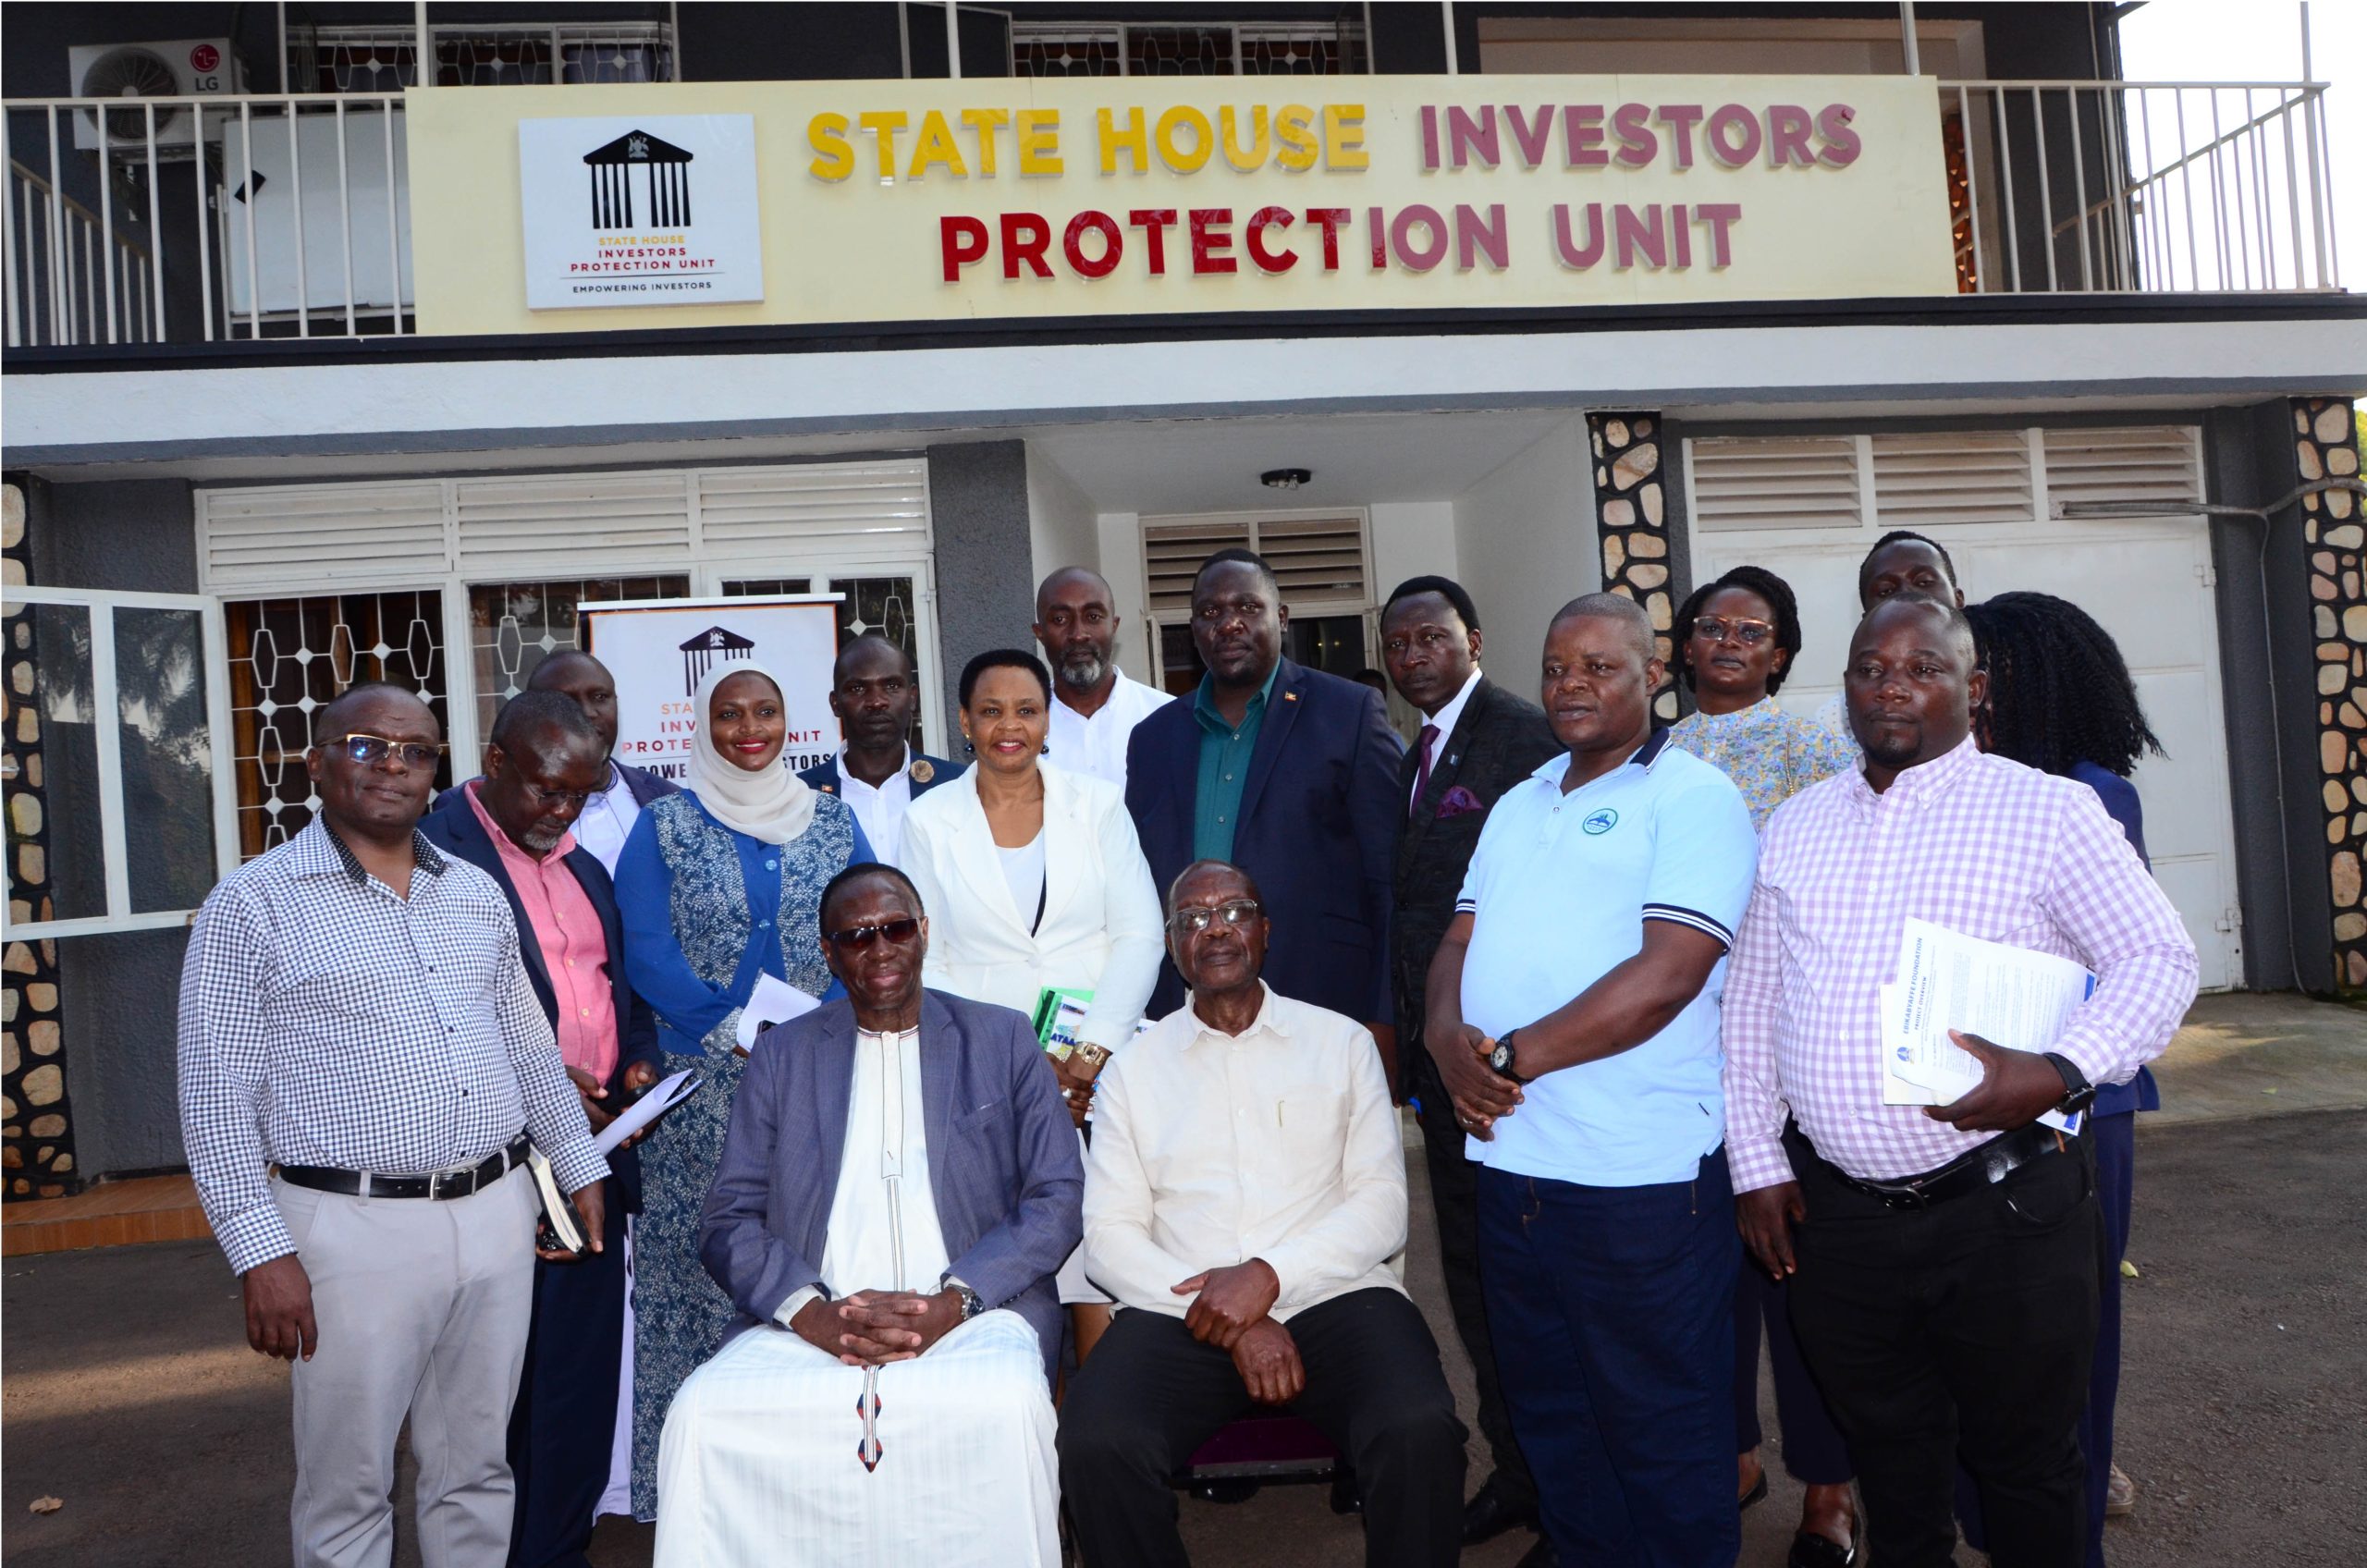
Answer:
(179, 67)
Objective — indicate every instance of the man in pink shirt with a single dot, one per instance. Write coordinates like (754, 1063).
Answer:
(544, 759)
(1944, 1261)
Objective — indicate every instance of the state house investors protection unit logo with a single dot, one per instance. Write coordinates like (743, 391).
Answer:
(658, 210)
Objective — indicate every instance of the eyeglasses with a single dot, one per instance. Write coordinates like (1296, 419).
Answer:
(371, 750)
(1718, 628)
(1192, 922)
(555, 800)
(855, 939)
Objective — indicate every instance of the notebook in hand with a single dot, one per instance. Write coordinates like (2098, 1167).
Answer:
(557, 1230)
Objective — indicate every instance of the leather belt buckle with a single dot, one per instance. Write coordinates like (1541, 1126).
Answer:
(1909, 1200)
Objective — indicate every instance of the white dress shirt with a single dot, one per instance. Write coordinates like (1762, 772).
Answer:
(881, 809)
(1098, 745)
(883, 1196)
(1444, 721)
(1209, 1149)
(607, 820)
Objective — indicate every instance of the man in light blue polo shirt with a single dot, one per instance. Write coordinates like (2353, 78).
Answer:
(1573, 1018)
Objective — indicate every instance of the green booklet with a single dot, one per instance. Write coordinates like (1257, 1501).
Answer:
(1058, 1013)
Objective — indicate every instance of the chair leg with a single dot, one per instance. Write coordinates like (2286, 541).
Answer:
(1345, 1498)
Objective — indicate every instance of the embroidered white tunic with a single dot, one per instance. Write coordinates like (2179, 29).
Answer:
(762, 1460)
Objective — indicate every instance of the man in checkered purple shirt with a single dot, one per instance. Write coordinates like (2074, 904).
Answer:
(1944, 1261)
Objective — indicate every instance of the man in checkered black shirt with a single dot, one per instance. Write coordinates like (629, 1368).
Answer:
(355, 1014)
(1944, 1261)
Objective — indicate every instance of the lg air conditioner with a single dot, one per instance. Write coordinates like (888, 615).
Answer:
(181, 67)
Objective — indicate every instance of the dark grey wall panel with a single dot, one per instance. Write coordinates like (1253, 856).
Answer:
(986, 594)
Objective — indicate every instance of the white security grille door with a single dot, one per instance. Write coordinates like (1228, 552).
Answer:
(318, 577)
(1807, 508)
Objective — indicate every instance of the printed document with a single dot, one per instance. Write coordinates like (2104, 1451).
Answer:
(663, 1097)
(1945, 980)
(773, 1001)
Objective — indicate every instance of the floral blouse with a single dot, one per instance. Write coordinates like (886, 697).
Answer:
(1771, 755)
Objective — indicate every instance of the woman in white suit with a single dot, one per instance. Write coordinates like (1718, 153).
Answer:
(1032, 878)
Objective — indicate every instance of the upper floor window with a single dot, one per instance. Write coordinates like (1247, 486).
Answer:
(1188, 49)
(386, 59)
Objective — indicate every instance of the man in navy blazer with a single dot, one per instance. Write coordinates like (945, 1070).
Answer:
(544, 759)
(1288, 773)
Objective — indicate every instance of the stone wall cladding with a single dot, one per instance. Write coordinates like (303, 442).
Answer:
(1631, 523)
(2334, 529)
(36, 1136)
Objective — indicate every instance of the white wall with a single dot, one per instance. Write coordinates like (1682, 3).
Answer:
(1121, 563)
(1061, 529)
(1524, 538)
(1411, 539)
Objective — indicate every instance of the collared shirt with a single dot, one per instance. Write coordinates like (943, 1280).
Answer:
(1097, 745)
(883, 1197)
(607, 820)
(1973, 842)
(326, 1021)
(1560, 889)
(575, 949)
(1209, 1149)
(1443, 721)
(1224, 765)
(880, 808)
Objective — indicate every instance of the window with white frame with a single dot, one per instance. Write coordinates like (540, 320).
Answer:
(324, 585)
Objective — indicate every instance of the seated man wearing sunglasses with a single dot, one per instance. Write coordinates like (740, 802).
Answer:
(899, 1184)
(1246, 1202)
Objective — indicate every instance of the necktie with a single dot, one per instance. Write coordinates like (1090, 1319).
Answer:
(1427, 739)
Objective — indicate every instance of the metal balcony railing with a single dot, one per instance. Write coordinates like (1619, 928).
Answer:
(195, 219)
(2125, 186)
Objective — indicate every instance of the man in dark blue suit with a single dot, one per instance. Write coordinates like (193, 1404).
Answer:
(544, 759)
(1288, 773)
(876, 772)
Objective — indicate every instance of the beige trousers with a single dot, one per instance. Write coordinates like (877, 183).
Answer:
(424, 1309)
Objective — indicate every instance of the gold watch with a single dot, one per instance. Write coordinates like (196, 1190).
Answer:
(1094, 1057)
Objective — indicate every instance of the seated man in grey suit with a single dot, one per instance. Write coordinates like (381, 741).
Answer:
(899, 1184)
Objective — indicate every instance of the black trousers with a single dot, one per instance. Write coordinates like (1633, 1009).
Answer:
(563, 1429)
(1151, 1394)
(1454, 1195)
(1966, 1329)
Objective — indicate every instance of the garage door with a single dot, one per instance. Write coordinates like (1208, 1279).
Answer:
(1807, 508)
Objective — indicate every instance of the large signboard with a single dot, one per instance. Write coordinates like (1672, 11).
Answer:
(640, 210)
(1028, 197)
(660, 649)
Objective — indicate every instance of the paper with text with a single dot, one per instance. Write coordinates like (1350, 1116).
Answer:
(2010, 996)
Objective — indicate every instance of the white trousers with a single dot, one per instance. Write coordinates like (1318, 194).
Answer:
(758, 1464)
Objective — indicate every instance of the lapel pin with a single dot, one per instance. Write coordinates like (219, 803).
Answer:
(922, 770)
(1289, 696)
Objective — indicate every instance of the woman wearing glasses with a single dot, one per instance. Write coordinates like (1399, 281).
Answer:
(717, 886)
(1736, 638)
(1034, 881)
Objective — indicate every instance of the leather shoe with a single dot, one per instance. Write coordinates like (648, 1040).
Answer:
(1539, 1556)
(1812, 1550)
(1492, 1511)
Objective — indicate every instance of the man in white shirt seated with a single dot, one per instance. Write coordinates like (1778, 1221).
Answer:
(1244, 1200)
(898, 1186)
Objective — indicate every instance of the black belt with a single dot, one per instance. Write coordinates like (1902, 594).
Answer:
(1974, 1171)
(438, 1185)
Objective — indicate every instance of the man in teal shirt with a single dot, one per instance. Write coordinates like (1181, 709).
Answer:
(1289, 773)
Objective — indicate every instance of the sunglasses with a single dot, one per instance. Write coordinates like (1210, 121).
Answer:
(371, 750)
(1192, 922)
(1716, 628)
(855, 939)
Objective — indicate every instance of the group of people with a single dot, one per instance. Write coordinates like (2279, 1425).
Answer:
(900, 1277)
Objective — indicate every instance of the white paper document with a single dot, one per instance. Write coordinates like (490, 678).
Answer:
(663, 1097)
(773, 1001)
(1945, 980)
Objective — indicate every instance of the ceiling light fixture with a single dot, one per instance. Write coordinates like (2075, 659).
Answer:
(1285, 478)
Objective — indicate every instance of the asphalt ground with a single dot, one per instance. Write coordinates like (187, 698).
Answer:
(129, 1393)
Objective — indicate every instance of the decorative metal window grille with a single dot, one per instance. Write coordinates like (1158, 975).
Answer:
(290, 658)
(515, 625)
(368, 59)
(881, 606)
(1334, 48)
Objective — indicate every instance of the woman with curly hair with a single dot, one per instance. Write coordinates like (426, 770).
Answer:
(1735, 641)
(2060, 700)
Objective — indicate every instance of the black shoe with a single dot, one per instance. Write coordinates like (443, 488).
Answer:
(1227, 1490)
(1495, 1509)
(1812, 1550)
(1758, 1493)
(1539, 1556)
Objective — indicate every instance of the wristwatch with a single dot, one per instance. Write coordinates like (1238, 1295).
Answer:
(972, 1302)
(2077, 1093)
(1501, 1059)
(1092, 1055)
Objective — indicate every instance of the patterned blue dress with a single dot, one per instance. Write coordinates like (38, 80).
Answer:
(1769, 754)
(693, 894)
